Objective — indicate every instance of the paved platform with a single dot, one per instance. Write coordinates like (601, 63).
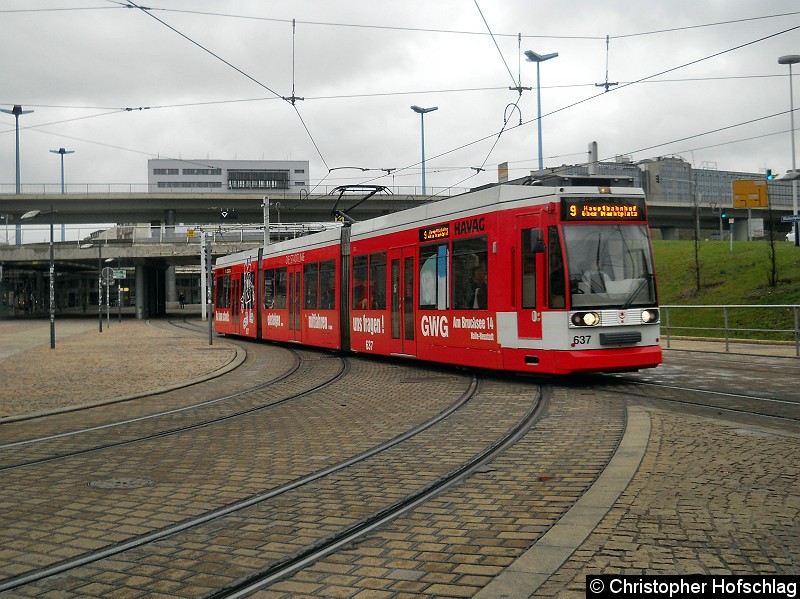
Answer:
(683, 494)
(87, 366)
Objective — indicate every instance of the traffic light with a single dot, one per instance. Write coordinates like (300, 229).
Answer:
(769, 174)
(723, 214)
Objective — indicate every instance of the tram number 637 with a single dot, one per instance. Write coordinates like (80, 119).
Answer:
(581, 339)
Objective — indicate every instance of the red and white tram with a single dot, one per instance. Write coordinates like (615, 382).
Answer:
(536, 279)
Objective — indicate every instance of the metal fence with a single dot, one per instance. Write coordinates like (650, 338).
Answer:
(139, 188)
(724, 321)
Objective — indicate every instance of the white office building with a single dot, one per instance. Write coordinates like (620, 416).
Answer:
(227, 176)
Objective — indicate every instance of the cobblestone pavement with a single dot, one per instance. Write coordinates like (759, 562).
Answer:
(690, 493)
(709, 498)
(88, 366)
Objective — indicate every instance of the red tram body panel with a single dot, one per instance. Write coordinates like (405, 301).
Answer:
(552, 280)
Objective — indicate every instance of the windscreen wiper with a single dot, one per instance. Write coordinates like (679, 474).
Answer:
(642, 281)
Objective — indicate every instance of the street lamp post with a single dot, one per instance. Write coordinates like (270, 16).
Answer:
(16, 111)
(62, 151)
(86, 246)
(421, 112)
(539, 58)
(790, 60)
(33, 214)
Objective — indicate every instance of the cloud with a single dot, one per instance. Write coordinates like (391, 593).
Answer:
(360, 66)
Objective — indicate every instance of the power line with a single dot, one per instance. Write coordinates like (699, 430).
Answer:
(80, 118)
(643, 79)
(453, 31)
(384, 94)
(500, 52)
(696, 135)
(67, 9)
(147, 11)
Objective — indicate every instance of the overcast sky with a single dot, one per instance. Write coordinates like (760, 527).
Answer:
(685, 68)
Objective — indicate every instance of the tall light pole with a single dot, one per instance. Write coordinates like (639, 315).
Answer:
(790, 60)
(86, 246)
(539, 58)
(16, 111)
(421, 112)
(62, 151)
(33, 214)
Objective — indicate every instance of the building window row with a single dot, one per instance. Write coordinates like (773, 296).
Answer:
(202, 171)
(189, 184)
(258, 179)
(187, 171)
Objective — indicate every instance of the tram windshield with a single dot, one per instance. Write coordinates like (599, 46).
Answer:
(610, 266)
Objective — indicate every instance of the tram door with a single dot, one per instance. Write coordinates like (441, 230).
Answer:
(401, 280)
(529, 276)
(295, 301)
(236, 302)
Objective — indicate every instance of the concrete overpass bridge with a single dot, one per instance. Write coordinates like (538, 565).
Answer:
(152, 242)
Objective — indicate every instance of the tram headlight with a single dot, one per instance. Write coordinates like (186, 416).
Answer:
(585, 319)
(649, 316)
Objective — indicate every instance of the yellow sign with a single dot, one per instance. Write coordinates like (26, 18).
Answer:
(190, 233)
(750, 193)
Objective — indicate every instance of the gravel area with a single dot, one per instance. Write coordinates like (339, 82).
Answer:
(87, 366)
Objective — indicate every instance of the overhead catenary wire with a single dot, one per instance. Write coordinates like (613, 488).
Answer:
(494, 41)
(148, 12)
(124, 4)
(646, 80)
(155, 106)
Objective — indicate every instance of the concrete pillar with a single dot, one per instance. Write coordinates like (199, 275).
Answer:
(172, 294)
(169, 223)
(670, 233)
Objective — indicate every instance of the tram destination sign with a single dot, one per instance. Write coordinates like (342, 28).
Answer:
(608, 209)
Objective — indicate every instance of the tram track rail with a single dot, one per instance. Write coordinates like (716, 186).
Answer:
(27, 443)
(754, 363)
(329, 544)
(70, 409)
(310, 554)
(772, 408)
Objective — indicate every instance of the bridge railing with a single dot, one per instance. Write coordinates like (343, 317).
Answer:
(139, 188)
(777, 323)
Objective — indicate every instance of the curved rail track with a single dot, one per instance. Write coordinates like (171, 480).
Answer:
(745, 385)
(290, 458)
(246, 401)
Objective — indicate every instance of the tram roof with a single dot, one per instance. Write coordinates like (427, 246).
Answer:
(480, 201)
(473, 202)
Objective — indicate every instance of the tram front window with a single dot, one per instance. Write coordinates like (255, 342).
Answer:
(610, 266)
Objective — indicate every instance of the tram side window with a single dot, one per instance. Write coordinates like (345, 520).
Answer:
(470, 275)
(369, 282)
(433, 287)
(327, 285)
(223, 299)
(529, 239)
(311, 285)
(556, 265)
(269, 288)
(280, 288)
(377, 281)
(360, 282)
